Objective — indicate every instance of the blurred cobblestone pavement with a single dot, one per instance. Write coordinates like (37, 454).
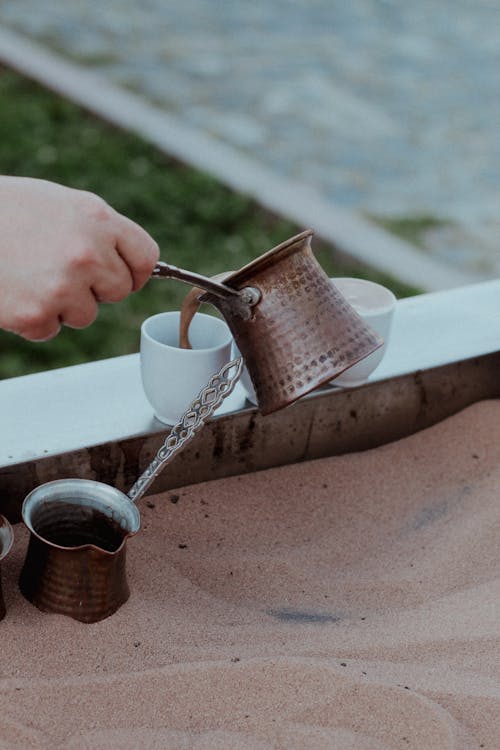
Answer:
(390, 108)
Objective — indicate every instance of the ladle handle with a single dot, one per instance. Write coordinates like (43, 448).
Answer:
(168, 271)
(208, 400)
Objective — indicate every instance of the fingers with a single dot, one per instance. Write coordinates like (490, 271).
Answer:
(94, 273)
(102, 271)
(35, 324)
(42, 321)
(40, 331)
(82, 312)
(65, 251)
(115, 255)
(123, 255)
(138, 250)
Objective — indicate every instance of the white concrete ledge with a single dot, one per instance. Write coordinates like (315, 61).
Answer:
(353, 236)
(65, 410)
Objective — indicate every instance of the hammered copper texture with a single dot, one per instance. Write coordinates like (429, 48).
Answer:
(6, 539)
(302, 333)
(86, 583)
(2, 603)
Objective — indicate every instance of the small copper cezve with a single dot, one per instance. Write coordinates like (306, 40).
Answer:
(75, 563)
(6, 539)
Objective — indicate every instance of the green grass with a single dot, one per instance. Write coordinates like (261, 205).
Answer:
(198, 223)
(410, 228)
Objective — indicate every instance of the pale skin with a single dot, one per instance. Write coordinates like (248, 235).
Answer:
(62, 252)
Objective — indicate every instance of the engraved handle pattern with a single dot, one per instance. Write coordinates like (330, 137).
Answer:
(208, 400)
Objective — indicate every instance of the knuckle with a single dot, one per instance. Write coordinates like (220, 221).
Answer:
(77, 322)
(82, 317)
(33, 325)
(48, 333)
(119, 291)
(83, 258)
(95, 207)
(153, 253)
(58, 291)
(30, 318)
(145, 261)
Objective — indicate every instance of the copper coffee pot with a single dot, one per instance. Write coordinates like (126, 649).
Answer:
(294, 329)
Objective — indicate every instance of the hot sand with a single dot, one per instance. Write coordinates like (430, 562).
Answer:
(348, 603)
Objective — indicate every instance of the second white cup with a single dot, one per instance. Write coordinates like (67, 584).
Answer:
(375, 304)
(172, 377)
(245, 379)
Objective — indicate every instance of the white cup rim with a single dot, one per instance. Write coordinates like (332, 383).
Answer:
(383, 291)
(188, 352)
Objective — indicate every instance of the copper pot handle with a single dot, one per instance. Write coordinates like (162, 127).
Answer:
(167, 271)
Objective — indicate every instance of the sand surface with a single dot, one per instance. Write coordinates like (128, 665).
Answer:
(350, 603)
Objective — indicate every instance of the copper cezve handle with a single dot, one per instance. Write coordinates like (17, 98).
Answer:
(249, 295)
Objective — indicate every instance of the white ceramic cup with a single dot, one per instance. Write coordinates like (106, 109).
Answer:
(172, 377)
(375, 304)
(245, 379)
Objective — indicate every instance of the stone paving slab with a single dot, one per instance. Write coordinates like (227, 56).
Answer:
(381, 107)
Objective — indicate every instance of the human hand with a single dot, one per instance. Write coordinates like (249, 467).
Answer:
(62, 251)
